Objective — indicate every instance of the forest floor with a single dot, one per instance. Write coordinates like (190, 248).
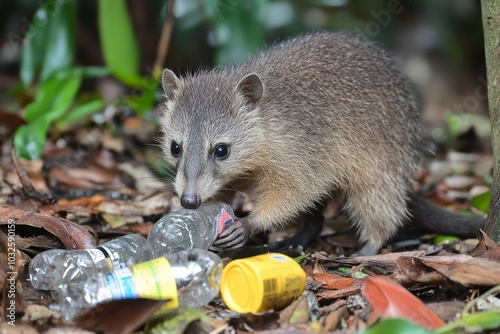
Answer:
(96, 183)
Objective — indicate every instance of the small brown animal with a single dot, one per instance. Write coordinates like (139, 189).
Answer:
(321, 115)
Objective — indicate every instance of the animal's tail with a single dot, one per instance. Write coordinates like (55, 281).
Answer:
(431, 217)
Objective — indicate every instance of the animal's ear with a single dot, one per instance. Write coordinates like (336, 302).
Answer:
(170, 83)
(251, 88)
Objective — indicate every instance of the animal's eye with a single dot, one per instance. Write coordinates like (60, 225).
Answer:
(175, 149)
(221, 151)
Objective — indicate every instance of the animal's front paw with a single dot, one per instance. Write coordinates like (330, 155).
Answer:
(233, 237)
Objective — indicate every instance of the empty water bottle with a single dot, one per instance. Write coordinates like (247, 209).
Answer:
(52, 267)
(188, 229)
(188, 278)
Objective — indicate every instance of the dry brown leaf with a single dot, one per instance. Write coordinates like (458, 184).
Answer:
(380, 259)
(63, 178)
(335, 294)
(486, 248)
(476, 272)
(298, 312)
(122, 316)
(30, 174)
(333, 315)
(411, 271)
(93, 175)
(381, 263)
(466, 270)
(444, 262)
(73, 236)
(130, 208)
(39, 242)
(318, 268)
(447, 310)
(101, 204)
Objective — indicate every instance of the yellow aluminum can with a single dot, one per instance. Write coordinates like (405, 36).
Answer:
(260, 283)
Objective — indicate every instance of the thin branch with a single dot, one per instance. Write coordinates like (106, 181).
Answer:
(164, 42)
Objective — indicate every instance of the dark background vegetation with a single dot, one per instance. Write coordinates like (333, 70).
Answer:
(439, 43)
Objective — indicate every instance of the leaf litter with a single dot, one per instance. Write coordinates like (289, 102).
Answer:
(81, 195)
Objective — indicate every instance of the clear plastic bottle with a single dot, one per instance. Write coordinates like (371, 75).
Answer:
(188, 229)
(52, 267)
(188, 278)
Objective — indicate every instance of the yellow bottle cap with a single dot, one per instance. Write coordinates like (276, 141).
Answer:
(263, 282)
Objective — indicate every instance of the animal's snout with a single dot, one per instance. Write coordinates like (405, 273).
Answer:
(190, 201)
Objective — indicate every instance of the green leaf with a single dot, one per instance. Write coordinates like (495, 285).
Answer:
(479, 322)
(29, 139)
(54, 96)
(50, 41)
(60, 46)
(34, 47)
(175, 321)
(482, 321)
(95, 71)
(396, 326)
(481, 202)
(79, 112)
(444, 239)
(118, 42)
(299, 259)
(28, 64)
(454, 122)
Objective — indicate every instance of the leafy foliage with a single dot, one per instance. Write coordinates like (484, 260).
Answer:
(49, 54)
(482, 202)
(399, 326)
(231, 22)
(118, 42)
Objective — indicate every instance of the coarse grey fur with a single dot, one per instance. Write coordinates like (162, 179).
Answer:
(324, 114)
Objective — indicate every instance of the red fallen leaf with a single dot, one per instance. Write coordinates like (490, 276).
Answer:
(337, 282)
(389, 299)
(337, 286)
(72, 235)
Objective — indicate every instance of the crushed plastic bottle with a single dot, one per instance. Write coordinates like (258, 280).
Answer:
(188, 229)
(56, 266)
(188, 278)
